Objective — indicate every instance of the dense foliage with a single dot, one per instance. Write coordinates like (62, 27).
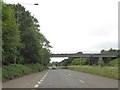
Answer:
(114, 62)
(22, 41)
(13, 71)
(0, 35)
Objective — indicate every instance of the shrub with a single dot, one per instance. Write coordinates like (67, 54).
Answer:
(114, 63)
(16, 70)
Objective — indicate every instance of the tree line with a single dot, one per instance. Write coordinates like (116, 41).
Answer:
(22, 41)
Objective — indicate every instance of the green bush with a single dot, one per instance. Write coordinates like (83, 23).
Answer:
(16, 70)
(63, 67)
(36, 67)
(114, 63)
(79, 61)
(0, 73)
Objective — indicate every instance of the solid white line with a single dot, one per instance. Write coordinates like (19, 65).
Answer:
(81, 81)
(36, 86)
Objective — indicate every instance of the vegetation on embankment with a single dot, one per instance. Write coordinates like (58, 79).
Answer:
(0, 73)
(114, 63)
(108, 70)
(102, 71)
(15, 71)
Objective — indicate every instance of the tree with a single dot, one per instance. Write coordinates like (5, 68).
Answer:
(36, 46)
(23, 42)
(10, 35)
(0, 33)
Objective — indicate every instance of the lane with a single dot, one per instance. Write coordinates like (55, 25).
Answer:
(59, 79)
(62, 78)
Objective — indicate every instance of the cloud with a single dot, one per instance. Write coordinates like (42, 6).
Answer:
(106, 45)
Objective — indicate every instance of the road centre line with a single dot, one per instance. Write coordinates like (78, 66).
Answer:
(41, 80)
(36, 86)
(44, 77)
(81, 81)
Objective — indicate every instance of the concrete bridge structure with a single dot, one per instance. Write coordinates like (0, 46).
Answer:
(84, 55)
(93, 57)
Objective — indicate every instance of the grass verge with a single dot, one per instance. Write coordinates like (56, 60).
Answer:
(102, 71)
(0, 73)
(16, 70)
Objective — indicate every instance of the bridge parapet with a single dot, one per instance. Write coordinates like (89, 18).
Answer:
(86, 55)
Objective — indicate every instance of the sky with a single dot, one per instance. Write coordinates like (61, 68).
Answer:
(72, 26)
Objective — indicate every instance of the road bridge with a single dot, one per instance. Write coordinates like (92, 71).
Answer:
(93, 57)
(85, 55)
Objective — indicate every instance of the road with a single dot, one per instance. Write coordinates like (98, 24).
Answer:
(62, 78)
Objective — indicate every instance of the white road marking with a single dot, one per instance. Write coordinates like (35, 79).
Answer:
(36, 86)
(81, 81)
(69, 74)
(39, 82)
(43, 78)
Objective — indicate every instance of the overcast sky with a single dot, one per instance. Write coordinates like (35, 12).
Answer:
(76, 25)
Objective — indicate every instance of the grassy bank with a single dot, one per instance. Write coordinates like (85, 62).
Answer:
(114, 63)
(14, 71)
(0, 73)
(111, 72)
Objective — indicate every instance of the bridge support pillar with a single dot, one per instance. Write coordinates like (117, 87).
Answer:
(106, 59)
(100, 58)
(94, 60)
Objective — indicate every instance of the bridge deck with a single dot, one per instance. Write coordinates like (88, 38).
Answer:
(84, 55)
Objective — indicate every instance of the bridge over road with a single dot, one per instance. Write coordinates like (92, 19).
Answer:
(85, 55)
(93, 57)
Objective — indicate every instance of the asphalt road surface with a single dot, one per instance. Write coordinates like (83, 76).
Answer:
(62, 78)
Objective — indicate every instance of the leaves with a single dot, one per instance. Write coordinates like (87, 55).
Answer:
(10, 34)
(22, 39)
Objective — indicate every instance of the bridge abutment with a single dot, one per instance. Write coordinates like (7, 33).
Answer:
(94, 60)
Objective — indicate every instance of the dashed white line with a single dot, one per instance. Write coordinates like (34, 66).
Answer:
(81, 81)
(36, 86)
(43, 78)
(39, 82)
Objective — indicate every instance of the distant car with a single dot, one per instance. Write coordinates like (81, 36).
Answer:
(54, 67)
